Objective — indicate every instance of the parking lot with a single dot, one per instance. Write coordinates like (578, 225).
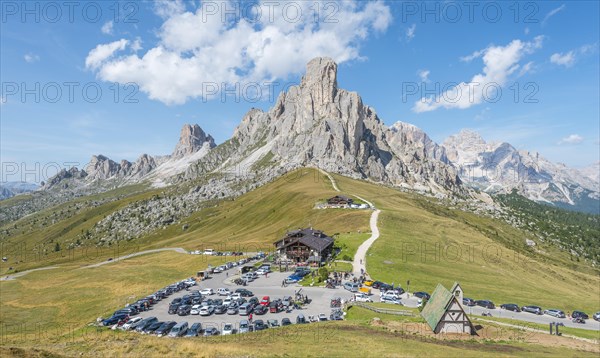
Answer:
(263, 286)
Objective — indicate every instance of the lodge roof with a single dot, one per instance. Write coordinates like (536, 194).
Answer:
(315, 239)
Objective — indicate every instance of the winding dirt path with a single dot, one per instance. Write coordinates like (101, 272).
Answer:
(360, 258)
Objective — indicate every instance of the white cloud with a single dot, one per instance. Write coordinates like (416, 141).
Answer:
(107, 28)
(99, 55)
(473, 56)
(410, 32)
(553, 12)
(567, 59)
(197, 47)
(526, 68)
(500, 62)
(526, 31)
(423, 75)
(31, 58)
(571, 139)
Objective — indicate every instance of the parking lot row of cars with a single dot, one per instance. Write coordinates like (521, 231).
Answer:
(556, 313)
(152, 326)
(123, 315)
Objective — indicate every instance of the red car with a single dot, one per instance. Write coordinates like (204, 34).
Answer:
(265, 301)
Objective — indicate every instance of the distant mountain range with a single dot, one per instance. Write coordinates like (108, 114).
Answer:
(10, 189)
(317, 124)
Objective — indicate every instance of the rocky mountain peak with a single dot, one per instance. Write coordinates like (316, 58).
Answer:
(320, 80)
(191, 139)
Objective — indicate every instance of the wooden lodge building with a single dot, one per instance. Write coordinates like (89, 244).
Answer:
(340, 200)
(444, 312)
(305, 245)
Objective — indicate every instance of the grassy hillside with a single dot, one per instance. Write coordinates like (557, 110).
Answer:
(428, 243)
(249, 223)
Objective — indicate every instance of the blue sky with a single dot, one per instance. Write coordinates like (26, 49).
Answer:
(542, 56)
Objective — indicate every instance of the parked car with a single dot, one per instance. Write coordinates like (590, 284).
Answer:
(211, 331)
(322, 317)
(336, 315)
(206, 310)
(253, 301)
(244, 292)
(368, 283)
(485, 303)
(579, 314)
(165, 328)
(179, 329)
(391, 299)
(184, 310)
(555, 313)
(390, 294)
(244, 326)
(468, 301)
(223, 291)
(245, 309)
(153, 327)
(227, 329)
(273, 323)
(232, 309)
(260, 310)
(287, 301)
(351, 286)
(422, 295)
(174, 307)
(140, 326)
(115, 319)
(265, 301)
(532, 309)
(195, 310)
(301, 319)
(510, 307)
(285, 322)
(221, 309)
(130, 324)
(260, 325)
(194, 330)
(207, 292)
(596, 316)
(362, 297)
(293, 279)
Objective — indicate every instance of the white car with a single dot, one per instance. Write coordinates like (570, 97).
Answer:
(227, 329)
(206, 310)
(223, 291)
(361, 297)
(236, 296)
(195, 310)
(391, 300)
(127, 326)
(218, 269)
(207, 292)
(390, 294)
(227, 301)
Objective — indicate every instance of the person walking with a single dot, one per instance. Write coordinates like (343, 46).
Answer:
(250, 317)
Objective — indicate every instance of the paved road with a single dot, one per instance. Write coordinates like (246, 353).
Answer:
(23, 273)
(176, 249)
(533, 318)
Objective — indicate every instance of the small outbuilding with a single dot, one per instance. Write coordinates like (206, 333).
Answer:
(444, 312)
